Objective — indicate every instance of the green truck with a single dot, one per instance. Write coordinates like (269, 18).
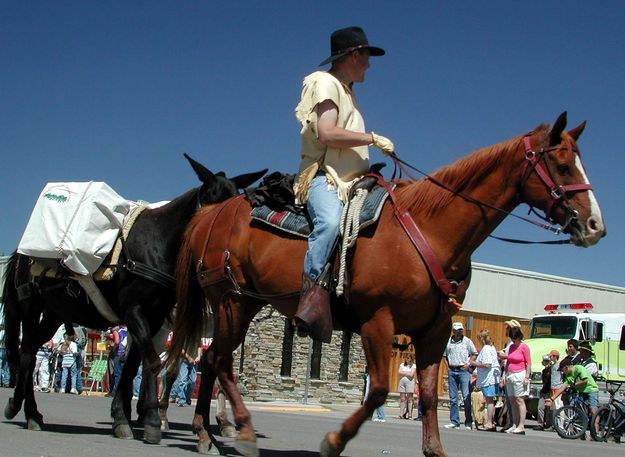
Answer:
(561, 322)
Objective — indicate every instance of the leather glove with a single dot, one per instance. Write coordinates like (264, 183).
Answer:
(383, 144)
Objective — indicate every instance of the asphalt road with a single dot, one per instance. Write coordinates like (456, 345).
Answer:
(81, 427)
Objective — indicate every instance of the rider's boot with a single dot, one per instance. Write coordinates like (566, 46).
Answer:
(314, 317)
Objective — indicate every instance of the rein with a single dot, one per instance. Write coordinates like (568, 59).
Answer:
(450, 288)
(556, 191)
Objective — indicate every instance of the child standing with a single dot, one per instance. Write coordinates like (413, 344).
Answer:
(69, 349)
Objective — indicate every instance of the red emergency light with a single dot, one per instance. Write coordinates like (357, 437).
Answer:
(569, 306)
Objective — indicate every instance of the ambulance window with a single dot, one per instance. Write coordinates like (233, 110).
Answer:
(622, 343)
(598, 331)
(583, 331)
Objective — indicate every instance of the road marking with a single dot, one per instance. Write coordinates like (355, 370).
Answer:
(290, 408)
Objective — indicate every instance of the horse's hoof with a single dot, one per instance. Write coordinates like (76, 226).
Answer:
(151, 434)
(228, 431)
(164, 425)
(9, 411)
(123, 431)
(246, 447)
(326, 449)
(207, 448)
(35, 424)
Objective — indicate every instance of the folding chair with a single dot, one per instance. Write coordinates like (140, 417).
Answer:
(96, 374)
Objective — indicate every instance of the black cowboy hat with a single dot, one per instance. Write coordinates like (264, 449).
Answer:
(347, 40)
(586, 345)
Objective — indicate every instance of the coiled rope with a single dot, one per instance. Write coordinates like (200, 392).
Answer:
(349, 228)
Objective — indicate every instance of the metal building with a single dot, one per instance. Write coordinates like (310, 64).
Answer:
(522, 294)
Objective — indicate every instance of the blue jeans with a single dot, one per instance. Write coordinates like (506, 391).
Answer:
(458, 380)
(380, 412)
(4, 368)
(70, 372)
(79, 365)
(136, 383)
(324, 208)
(185, 383)
(118, 366)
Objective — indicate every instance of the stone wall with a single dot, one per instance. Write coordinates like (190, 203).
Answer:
(260, 379)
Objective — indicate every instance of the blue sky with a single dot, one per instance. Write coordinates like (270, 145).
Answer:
(116, 91)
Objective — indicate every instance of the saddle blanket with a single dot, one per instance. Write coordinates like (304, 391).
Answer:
(299, 225)
(75, 222)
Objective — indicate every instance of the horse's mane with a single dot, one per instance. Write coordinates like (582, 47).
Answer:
(424, 196)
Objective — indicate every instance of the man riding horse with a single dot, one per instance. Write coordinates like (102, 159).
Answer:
(334, 155)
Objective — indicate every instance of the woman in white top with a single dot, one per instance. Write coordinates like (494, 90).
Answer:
(407, 372)
(488, 374)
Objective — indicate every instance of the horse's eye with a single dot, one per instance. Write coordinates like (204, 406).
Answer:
(564, 169)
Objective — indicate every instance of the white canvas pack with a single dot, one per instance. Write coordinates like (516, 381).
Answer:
(76, 222)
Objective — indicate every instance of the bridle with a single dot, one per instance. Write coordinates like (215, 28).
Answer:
(556, 191)
(532, 163)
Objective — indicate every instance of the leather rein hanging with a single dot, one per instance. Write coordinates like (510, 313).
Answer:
(449, 287)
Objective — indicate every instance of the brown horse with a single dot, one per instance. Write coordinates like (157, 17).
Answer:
(390, 290)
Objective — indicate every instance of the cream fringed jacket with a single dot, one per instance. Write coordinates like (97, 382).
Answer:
(341, 166)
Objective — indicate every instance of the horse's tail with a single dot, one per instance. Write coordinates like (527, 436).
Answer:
(12, 317)
(191, 313)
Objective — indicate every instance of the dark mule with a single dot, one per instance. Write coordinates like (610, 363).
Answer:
(142, 302)
(390, 291)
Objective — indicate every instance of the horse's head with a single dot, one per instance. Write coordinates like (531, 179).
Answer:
(555, 181)
(216, 187)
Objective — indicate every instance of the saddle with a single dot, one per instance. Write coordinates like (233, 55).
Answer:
(287, 217)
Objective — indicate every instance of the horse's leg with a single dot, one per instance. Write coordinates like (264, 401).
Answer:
(201, 417)
(163, 404)
(121, 404)
(30, 310)
(428, 350)
(226, 428)
(43, 332)
(231, 325)
(245, 442)
(143, 348)
(377, 340)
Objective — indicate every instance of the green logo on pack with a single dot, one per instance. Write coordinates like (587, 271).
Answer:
(55, 198)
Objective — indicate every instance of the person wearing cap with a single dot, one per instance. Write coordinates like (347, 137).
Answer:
(577, 376)
(587, 358)
(544, 401)
(458, 355)
(334, 154)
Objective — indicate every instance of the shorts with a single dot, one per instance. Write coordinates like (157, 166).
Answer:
(514, 385)
(406, 385)
(489, 391)
(592, 398)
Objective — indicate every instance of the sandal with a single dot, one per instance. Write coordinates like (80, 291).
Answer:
(481, 428)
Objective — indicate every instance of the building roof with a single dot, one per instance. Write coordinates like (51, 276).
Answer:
(510, 292)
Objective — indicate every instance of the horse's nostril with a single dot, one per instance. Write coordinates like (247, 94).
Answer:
(594, 225)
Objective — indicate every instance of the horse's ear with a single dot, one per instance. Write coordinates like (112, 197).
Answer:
(243, 181)
(557, 129)
(203, 173)
(577, 131)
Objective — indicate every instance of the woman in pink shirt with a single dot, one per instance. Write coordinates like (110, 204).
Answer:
(517, 379)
